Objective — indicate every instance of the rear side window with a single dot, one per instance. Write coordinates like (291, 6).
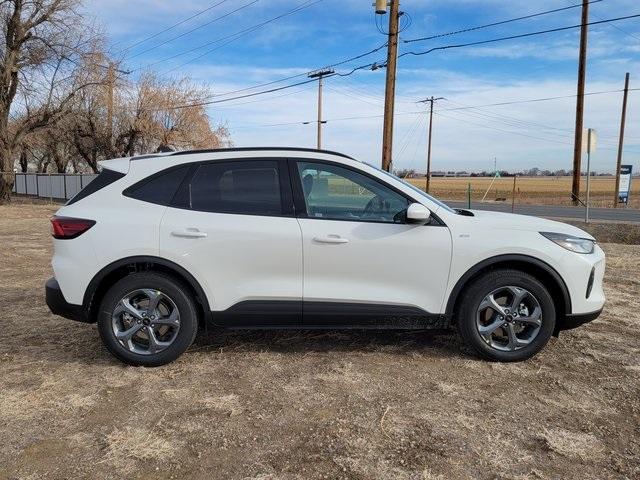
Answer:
(243, 187)
(160, 187)
(106, 177)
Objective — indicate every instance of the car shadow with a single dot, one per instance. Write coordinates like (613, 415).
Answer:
(438, 342)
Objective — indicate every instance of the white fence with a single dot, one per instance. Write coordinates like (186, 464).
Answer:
(60, 186)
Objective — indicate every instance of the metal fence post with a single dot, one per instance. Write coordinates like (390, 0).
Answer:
(469, 195)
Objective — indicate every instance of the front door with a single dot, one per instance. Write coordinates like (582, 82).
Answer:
(360, 256)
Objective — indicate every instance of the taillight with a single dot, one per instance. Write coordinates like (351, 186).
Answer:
(65, 228)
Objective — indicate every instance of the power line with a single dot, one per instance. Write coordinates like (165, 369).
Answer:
(519, 123)
(287, 94)
(304, 74)
(197, 14)
(483, 125)
(502, 22)
(338, 119)
(375, 65)
(533, 100)
(336, 64)
(522, 35)
(237, 34)
(511, 132)
(210, 102)
(514, 102)
(410, 134)
(262, 92)
(618, 28)
(183, 34)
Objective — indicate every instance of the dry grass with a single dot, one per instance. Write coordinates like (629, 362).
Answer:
(310, 405)
(623, 233)
(532, 190)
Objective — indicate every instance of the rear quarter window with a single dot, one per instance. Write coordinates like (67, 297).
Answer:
(160, 187)
(105, 178)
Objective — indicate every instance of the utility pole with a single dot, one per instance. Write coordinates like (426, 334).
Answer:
(390, 90)
(319, 74)
(623, 120)
(582, 69)
(111, 80)
(430, 100)
(111, 85)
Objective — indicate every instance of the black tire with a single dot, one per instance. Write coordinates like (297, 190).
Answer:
(474, 296)
(182, 299)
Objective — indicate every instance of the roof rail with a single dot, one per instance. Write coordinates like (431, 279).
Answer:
(249, 149)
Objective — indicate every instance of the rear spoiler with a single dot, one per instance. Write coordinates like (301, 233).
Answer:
(117, 165)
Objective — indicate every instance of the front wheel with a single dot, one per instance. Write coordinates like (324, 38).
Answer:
(506, 315)
(147, 319)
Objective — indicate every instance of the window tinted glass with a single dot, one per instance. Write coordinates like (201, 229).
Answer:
(251, 187)
(161, 187)
(105, 178)
(334, 192)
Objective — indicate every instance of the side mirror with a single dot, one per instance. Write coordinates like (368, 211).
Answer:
(418, 213)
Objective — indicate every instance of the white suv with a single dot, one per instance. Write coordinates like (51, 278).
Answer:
(158, 245)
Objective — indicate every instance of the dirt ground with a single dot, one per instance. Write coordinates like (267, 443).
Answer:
(307, 405)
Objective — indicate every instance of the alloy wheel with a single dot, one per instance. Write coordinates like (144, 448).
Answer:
(145, 321)
(509, 318)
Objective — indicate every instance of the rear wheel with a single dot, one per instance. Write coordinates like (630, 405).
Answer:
(147, 319)
(506, 315)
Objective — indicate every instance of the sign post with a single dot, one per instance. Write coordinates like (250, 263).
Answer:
(624, 191)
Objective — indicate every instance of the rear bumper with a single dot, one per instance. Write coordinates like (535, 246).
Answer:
(59, 306)
(577, 319)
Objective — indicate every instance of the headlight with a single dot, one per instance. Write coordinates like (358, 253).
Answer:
(575, 244)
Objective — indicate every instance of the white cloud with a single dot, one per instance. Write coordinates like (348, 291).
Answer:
(521, 135)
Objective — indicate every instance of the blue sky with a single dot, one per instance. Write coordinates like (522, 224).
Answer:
(520, 136)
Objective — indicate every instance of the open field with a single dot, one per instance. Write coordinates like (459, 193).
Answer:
(538, 190)
(310, 405)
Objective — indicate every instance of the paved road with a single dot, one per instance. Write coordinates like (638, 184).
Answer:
(553, 211)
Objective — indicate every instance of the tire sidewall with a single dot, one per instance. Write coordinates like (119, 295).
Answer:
(495, 280)
(180, 296)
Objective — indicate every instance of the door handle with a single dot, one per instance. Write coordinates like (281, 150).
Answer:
(189, 233)
(331, 239)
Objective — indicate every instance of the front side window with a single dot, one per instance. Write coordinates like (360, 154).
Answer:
(336, 193)
(244, 187)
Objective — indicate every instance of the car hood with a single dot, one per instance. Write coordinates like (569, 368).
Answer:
(511, 221)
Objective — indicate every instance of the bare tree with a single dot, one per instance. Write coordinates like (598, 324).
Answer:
(157, 113)
(41, 43)
(54, 92)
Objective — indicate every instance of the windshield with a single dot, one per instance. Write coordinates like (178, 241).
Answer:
(417, 190)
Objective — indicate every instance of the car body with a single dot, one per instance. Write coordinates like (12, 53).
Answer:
(301, 238)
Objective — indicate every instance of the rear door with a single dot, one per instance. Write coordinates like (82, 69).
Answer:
(362, 262)
(232, 223)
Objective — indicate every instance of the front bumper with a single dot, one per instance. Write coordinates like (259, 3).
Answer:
(577, 319)
(59, 306)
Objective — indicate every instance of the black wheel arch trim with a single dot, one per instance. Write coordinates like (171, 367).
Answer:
(489, 262)
(92, 288)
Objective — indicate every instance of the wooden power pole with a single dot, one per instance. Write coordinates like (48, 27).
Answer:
(623, 120)
(111, 80)
(430, 100)
(582, 69)
(390, 91)
(319, 75)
